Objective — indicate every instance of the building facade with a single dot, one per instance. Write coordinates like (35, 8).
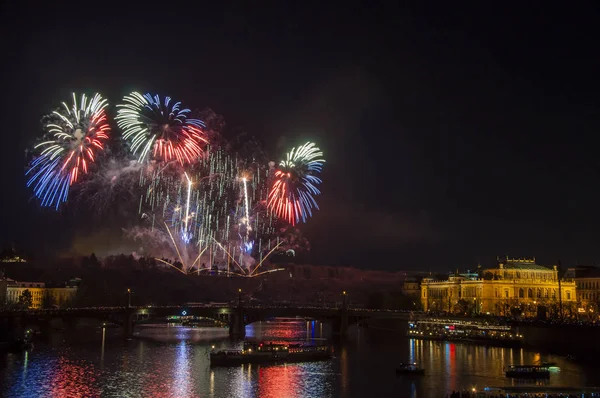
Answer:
(61, 296)
(587, 280)
(3, 289)
(15, 289)
(516, 287)
(41, 296)
(411, 287)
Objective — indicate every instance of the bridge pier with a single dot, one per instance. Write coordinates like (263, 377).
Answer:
(128, 323)
(237, 327)
(339, 324)
(344, 316)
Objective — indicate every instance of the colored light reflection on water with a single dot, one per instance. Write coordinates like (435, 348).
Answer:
(61, 376)
(173, 362)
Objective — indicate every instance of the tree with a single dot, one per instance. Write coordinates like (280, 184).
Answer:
(465, 307)
(26, 299)
(90, 262)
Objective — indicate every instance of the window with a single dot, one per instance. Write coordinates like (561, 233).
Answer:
(529, 293)
(506, 293)
(521, 293)
(568, 295)
(539, 293)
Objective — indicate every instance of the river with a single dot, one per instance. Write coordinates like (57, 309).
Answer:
(169, 361)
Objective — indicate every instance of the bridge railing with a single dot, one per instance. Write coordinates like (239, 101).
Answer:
(187, 307)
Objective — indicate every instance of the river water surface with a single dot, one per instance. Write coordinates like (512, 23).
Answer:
(172, 361)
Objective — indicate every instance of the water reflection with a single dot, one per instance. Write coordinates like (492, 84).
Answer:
(173, 361)
(278, 381)
(102, 348)
(182, 372)
(70, 378)
(344, 369)
(471, 366)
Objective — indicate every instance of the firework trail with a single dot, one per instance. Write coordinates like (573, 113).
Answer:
(160, 129)
(201, 205)
(217, 205)
(295, 184)
(73, 136)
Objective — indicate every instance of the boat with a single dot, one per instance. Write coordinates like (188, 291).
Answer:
(410, 368)
(268, 352)
(528, 372)
(552, 366)
(464, 331)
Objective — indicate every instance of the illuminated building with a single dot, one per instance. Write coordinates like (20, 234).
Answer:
(15, 289)
(41, 295)
(411, 287)
(516, 286)
(3, 289)
(587, 280)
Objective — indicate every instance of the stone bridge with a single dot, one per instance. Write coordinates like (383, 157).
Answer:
(237, 316)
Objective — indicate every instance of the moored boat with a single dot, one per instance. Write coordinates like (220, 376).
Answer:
(528, 372)
(410, 368)
(552, 366)
(464, 331)
(270, 353)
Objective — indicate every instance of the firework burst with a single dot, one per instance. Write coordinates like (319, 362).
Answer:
(295, 184)
(160, 129)
(73, 136)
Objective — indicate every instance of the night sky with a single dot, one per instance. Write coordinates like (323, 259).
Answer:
(452, 134)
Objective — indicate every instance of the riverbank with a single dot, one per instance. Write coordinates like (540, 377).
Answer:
(579, 343)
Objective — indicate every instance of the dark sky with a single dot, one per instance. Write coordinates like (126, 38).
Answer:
(452, 134)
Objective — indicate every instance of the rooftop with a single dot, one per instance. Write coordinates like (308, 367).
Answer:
(583, 272)
(524, 265)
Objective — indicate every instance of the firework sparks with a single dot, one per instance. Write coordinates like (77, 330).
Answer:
(160, 128)
(223, 201)
(261, 261)
(295, 184)
(186, 234)
(73, 137)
